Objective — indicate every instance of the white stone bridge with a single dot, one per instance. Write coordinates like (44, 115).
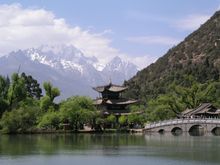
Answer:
(185, 125)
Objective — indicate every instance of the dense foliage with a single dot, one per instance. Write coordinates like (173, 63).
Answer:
(186, 76)
(181, 97)
(21, 119)
(77, 111)
(22, 111)
(23, 108)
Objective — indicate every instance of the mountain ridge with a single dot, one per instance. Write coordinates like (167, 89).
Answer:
(66, 67)
(197, 55)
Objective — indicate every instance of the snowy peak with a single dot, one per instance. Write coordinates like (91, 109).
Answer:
(65, 58)
(62, 51)
(116, 60)
(63, 64)
(120, 70)
(58, 52)
(117, 64)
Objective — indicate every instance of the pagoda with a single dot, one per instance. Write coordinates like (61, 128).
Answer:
(111, 100)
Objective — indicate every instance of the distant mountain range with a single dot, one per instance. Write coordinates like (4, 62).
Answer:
(198, 55)
(67, 68)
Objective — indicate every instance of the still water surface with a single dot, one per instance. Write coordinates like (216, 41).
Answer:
(109, 149)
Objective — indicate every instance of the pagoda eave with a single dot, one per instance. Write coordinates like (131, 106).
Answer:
(121, 102)
(114, 102)
(97, 102)
(110, 88)
(111, 100)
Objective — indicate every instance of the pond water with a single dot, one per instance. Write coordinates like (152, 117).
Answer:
(109, 149)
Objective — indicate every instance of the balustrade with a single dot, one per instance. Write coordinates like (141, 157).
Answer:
(182, 121)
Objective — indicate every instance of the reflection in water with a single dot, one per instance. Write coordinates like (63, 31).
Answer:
(197, 130)
(54, 143)
(216, 131)
(130, 149)
(176, 131)
(194, 148)
(161, 131)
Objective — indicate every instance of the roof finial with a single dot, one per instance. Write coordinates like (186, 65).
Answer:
(110, 80)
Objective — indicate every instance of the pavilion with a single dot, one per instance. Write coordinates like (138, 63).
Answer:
(111, 100)
(205, 110)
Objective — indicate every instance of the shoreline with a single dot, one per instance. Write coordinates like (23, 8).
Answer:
(76, 132)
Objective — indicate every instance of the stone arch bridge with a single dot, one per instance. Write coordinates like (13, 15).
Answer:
(185, 125)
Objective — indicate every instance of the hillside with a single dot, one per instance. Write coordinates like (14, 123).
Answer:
(198, 55)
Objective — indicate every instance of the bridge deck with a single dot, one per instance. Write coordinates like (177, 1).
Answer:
(181, 121)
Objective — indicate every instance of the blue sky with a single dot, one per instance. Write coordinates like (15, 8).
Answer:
(140, 30)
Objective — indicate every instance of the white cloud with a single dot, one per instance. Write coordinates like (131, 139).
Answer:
(159, 40)
(191, 22)
(143, 61)
(22, 28)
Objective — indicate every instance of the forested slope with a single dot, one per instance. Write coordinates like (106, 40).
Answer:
(198, 55)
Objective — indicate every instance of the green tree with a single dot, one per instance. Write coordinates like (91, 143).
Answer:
(111, 119)
(122, 120)
(178, 98)
(19, 120)
(32, 86)
(17, 90)
(4, 86)
(192, 95)
(51, 91)
(99, 123)
(45, 103)
(213, 96)
(51, 94)
(50, 120)
(77, 111)
(157, 111)
(136, 120)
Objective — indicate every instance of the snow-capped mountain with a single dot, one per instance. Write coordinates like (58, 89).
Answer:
(67, 68)
(117, 69)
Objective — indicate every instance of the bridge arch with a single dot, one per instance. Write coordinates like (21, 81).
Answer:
(216, 131)
(195, 127)
(196, 130)
(177, 131)
(161, 131)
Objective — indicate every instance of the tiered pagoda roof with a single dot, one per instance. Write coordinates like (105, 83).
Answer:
(121, 101)
(202, 110)
(112, 100)
(110, 87)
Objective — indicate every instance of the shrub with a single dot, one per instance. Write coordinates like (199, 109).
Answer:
(49, 120)
(19, 120)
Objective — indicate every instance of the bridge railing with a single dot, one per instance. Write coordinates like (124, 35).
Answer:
(182, 121)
